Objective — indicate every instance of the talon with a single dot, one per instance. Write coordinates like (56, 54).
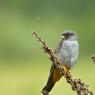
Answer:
(65, 69)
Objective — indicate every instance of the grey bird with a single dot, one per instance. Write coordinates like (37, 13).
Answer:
(68, 52)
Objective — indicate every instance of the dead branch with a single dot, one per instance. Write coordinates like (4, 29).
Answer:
(93, 58)
(76, 84)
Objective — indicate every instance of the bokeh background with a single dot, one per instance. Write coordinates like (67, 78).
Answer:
(24, 68)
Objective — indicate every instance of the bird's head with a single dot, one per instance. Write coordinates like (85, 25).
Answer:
(69, 35)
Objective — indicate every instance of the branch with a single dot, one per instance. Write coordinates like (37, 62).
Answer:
(93, 58)
(76, 84)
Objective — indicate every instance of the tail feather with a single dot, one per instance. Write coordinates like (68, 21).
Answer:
(50, 82)
(49, 86)
(53, 78)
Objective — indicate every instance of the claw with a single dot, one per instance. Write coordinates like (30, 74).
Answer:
(64, 68)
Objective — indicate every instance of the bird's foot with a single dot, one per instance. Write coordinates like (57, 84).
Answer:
(63, 69)
(45, 92)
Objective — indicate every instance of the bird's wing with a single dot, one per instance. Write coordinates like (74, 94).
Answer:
(75, 53)
(59, 46)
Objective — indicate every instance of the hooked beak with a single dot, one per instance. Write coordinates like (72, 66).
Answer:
(63, 37)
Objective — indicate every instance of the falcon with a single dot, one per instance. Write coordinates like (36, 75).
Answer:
(68, 52)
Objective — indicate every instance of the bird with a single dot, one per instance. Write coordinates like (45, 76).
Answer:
(68, 51)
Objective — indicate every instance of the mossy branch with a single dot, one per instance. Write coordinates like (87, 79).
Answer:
(76, 84)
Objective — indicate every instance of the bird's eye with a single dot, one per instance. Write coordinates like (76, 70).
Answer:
(67, 34)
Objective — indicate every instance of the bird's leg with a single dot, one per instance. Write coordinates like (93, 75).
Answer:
(64, 68)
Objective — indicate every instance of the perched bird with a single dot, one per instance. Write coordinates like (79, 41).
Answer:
(68, 52)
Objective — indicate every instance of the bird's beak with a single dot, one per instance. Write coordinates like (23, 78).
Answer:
(63, 37)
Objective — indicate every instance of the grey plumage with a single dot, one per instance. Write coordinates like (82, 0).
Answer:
(68, 52)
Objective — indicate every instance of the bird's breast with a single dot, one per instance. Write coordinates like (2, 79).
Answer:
(69, 52)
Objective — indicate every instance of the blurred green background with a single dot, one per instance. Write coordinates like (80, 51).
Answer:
(24, 68)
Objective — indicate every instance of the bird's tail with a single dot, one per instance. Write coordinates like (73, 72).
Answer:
(53, 78)
(50, 82)
(48, 86)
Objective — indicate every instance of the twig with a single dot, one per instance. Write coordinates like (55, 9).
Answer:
(93, 58)
(76, 84)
